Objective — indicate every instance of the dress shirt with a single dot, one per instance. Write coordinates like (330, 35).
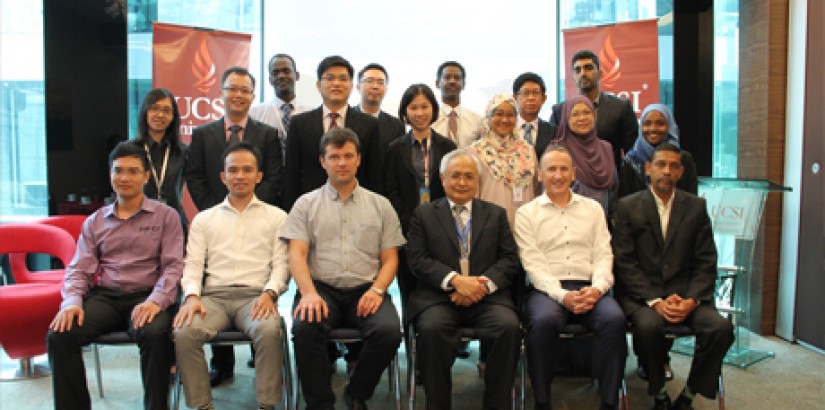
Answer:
(664, 210)
(236, 248)
(520, 129)
(140, 253)
(470, 126)
(559, 244)
(345, 239)
(228, 124)
(269, 112)
(340, 121)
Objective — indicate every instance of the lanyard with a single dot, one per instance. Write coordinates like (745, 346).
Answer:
(463, 236)
(425, 149)
(158, 181)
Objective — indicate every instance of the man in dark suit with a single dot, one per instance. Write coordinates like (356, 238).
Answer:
(530, 94)
(615, 119)
(205, 159)
(372, 84)
(665, 265)
(464, 256)
(204, 165)
(303, 172)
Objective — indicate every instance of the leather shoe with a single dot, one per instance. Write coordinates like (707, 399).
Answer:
(662, 404)
(218, 376)
(354, 403)
(640, 371)
(250, 363)
(463, 351)
(683, 403)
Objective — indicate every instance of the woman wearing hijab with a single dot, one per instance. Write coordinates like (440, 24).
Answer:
(508, 163)
(656, 126)
(592, 157)
(159, 134)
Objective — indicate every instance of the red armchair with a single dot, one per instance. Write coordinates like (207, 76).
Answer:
(20, 239)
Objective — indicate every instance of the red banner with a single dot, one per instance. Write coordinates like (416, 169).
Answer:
(628, 57)
(189, 61)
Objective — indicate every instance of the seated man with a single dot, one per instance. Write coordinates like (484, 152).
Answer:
(236, 266)
(565, 248)
(124, 276)
(666, 273)
(343, 254)
(463, 254)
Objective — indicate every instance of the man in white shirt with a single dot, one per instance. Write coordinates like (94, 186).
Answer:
(564, 246)
(278, 111)
(236, 266)
(454, 121)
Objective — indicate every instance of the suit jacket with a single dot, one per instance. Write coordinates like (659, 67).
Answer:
(303, 172)
(400, 184)
(545, 134)
(616, 123)
(204, 162)
(648, 266)
(433, 252)
(389, 128)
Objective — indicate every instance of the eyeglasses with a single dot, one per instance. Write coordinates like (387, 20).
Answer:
(373, 81)
(530, 93)
(341, 78)
(235, 90)
(132, 172)
(160, 110)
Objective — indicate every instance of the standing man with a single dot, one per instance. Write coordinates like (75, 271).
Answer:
(205, 161)
(615, 120)
(666, 274)
(372, 84)
(531, 94)
(278, 111)
(454, 121)
(205, 164)
(462, 251)
(343, 255)
(564, 246)
(124, 276)
(236, 266)
(303, 173)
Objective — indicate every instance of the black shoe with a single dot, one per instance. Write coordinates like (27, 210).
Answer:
(606, 406)
(668, 372)
(542, 406)
(463, 351)
(683, 403)
(251, 363)
(662, 404)
(218, 376)
(354, 403)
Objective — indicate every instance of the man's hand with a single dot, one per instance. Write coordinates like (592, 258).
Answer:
(264, 307)
(470, 287)
(369, 303)
(191, 306)
(675, 309)
(582, 300)
(144, 313)
(459, 300)
(311, 308)
(63, 320)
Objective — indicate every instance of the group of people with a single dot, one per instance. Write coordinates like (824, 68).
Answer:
(464, 210)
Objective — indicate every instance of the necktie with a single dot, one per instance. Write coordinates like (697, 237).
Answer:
(453, 123)
(234, 137)
(528, 133)
(286, 115)
(461, 225)
(333, 118)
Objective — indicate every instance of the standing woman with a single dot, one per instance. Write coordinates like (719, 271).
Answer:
(159, 135)
(412, 166)
(657, 126)
(508, 163)
(595, 167)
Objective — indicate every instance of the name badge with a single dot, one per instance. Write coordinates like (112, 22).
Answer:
(424, 195)
(464, 264)
(518, 194)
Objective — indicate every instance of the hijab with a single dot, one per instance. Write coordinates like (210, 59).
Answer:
(507, 157)
(642, 150)
(592, 157)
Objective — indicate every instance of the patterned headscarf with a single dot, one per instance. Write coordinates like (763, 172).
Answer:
(507, 158)
(592, 157)
(642, 150)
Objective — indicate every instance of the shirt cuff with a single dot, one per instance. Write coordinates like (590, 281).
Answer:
(445, 284)
(491, 286)
(72, 301)
(650, 303)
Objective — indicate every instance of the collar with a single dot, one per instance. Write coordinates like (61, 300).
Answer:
(253, 203)
(332, 193)
(360, 108)
(280, 103)
(146, 205)
(227, 123)
(446, 110)
(520, 123)
(544, 200)
(342, 113)
(468, 204)
(659, 202)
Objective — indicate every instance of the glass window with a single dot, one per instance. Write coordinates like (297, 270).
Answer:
(23, 173)
(725, 87)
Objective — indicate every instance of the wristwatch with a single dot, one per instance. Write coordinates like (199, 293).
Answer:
(377, 290)
(272, 294)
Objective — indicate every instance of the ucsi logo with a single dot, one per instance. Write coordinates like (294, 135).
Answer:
(195, 111)
(728, 212)
(203, 68)
(610, 64)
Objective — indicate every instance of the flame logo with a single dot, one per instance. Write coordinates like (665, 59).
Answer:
(204, 69)
(610, 64)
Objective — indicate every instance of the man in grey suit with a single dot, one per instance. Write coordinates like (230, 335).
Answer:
(616, 121)
(205, 160)
(372, 85)
(531, 94)
(665, 266)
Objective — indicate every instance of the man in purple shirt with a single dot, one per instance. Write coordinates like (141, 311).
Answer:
(124, 276)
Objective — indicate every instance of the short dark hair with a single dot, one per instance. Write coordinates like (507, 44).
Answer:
(337, 137)
(666, 146)
(239, 71)
(282, 55)
(525, 77)
(410, 94)
(373, 66)
(450, 64)
(584, 55)
(172, 133)
(129, 149)
(334, 61)
(243, 146)
(554, 148)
